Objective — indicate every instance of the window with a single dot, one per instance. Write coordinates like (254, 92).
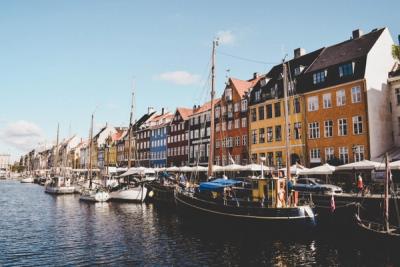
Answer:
(244, 104)
(257, 95)
(253, 114)
(357, 125)
(313, 130)
(319, 77)
(342, 127)
(341, 98)
(397, 93)
(261, 135)
(217, 143)
(328, 128)
(237, 159)
(244, 140)
(297, 130)
(237, 140)
(329, 153)
(229, 125)
(344, 154)
(236, 107)
(327, 100)
(277, 107)
(358, 153)
(356, 94)
(237, 123)
(244, 122)
(261, 113)
(315, 155)
(278, 133)
(270, 158)
(228, 94)
(270, 135)
(254, 137)
(296, 105)
(223, 126)
(254, 157)
(217, 112)
(217, 127)
(268, 111)
(312, 103)
(346, 70)
(278, 156)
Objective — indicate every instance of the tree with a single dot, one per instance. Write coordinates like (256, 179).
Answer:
(396, 52)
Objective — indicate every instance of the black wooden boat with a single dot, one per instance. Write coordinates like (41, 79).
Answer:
(244, 205)
(380, 233)
(161, 193)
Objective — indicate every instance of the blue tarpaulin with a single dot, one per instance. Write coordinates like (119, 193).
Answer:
(217, 185)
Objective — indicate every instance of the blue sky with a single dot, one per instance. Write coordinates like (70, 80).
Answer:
(59, 60)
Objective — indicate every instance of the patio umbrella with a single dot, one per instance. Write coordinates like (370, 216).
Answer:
(185, 169)
(172, 169)
(325, 169)
(234, 167)
(256, 167)
(360, 165)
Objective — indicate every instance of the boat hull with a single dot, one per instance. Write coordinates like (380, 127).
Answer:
(373, 233)
(100, 196)
(59, 190)
(28, 180)
(162, 194)
(135, 194)
(293, 219)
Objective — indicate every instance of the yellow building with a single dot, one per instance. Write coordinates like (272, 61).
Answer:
(267, 131)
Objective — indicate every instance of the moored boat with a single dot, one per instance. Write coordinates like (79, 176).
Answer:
(94, 195)
(59, 185)
(28, 180)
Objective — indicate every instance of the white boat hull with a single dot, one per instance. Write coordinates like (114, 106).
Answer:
(59, 190)
(28, 180)
(100, 196)
(135, 194)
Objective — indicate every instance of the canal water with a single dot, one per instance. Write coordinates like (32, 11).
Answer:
(37, 229)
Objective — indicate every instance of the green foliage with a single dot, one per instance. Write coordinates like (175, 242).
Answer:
(396, 52)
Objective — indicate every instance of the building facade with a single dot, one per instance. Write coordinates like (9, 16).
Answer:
(158, 139)
(178, 138)
(231, 122)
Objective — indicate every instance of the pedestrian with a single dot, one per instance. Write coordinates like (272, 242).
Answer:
(360, 184)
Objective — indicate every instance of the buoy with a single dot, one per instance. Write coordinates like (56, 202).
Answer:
(151, 194)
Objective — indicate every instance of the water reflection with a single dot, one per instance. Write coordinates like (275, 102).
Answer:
(40, 229)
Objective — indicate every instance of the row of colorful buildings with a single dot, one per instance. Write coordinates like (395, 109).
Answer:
(343, 106)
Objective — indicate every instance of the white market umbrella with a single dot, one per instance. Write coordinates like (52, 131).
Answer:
(360, 165)
(217, 168)
(172, 169)
(234, 167)
(199, 169)
(256, 167)
(185, 169)
(325, 169)
(294, 169)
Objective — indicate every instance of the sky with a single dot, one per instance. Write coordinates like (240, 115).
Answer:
(61, 61)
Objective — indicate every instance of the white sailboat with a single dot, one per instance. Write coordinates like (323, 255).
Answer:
(92, 194)
(59, 185)
(131, 190)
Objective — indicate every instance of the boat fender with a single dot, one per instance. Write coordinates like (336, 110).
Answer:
(151, 193)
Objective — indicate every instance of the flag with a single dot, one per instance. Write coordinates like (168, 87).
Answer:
(333, 206)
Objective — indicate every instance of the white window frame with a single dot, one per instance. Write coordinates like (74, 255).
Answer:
(312, 103)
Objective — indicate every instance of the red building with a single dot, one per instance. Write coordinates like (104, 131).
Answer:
(231, 122)
(178, 138)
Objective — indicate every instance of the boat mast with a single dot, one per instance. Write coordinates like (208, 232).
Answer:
(56, 156)
(287, 133)
(211, 152)
(386, 201)
(90, 151)
(130, 130)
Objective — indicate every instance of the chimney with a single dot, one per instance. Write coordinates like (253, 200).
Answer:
(357, 33)
(162, 111)
(150, 110)
(256, 75)
(298, 52)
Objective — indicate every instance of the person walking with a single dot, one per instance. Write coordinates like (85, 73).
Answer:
(360, 184)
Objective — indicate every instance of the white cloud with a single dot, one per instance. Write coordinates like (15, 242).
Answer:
(226, 37)
(179, 77)
(22, 135)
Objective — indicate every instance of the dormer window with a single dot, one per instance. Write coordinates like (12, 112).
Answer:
(320, 76)
(263, 82)
(346, 69)
(298, 70)
(228, 94)
(257, 95)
